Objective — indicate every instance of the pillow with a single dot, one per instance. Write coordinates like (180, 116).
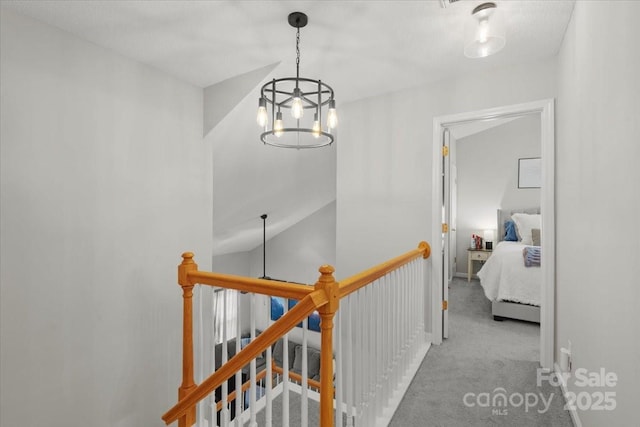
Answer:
(524, 224)
(510, 231)
(277, 353)
(313, 362)
(535, 236)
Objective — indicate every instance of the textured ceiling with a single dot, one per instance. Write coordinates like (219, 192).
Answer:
(360, 48)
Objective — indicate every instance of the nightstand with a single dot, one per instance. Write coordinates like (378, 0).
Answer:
(475, 255)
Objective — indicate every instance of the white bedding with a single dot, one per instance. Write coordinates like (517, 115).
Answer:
(505, 278)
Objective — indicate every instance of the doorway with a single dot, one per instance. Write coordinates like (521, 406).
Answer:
(440, 197)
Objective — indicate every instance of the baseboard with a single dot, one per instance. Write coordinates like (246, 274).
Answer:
(563, 386)
(465, 277)
(395, 400)
(427, 337)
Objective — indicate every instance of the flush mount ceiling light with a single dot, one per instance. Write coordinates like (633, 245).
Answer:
(485, 34)
(309, 101)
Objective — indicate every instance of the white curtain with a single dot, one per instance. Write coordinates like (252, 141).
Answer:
(221, 319)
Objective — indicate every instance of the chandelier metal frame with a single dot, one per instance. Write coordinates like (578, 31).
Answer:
(314, 95)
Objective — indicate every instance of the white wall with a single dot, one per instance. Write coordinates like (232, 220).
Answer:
(236, 263)
(384, 157)
(105, 181)
(488, 178)
(598, 200)
(296, 254)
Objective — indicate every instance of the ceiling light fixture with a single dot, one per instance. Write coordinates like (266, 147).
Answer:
(297, 94)
(485, 34)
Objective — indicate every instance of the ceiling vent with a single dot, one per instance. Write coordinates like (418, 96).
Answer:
(445, 3)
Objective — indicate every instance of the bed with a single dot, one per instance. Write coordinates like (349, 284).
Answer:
(512, 288)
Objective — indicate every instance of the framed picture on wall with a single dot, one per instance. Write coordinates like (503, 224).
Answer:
(530, 173)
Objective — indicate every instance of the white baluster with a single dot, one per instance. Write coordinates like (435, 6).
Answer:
(384, 353)
(338, 356)
(200, 353)
(375, 326)
(405, 317)
(348, 358)
(396, 321)
(422, 285)
(414, 296)
(418, 293)
(356, 326)
(238, 400)
(269, 386)
(392, 330)
(379, 331)
(304, 403)
(366, 331)
(285, 370)
(416, 302)
(212, 400)
(410, 297)
(252, 373)
(224, 413)
(367, 314)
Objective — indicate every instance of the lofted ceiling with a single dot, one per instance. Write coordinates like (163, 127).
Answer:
(361, 48)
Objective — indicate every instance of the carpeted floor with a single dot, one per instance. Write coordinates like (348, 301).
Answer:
(480, 356)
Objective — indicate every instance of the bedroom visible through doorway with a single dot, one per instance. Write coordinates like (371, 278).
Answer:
(447, 213)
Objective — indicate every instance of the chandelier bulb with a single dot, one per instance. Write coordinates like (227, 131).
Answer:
(332, 116)
(262, 113)
(278, 126)
(483, 31)
(297, 109)
(315, 130)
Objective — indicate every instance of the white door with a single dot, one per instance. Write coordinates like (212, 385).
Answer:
(446, 227)
(453, 248)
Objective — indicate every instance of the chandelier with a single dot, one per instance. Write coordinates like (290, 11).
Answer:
(309, 103)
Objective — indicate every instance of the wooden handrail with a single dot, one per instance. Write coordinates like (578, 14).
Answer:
(313, 301)
(248, 284)
(362, 279)
(311, 382)
(262, 374)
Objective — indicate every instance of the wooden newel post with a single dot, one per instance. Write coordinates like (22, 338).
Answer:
(328, 283)
(188, 384)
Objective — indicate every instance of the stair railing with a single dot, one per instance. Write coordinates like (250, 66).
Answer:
(395, 280)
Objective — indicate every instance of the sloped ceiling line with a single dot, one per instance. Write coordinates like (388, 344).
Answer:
(220, 98)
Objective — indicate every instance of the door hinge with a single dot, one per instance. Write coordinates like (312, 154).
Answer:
(445, 151)
(445, 228)
(445, 305)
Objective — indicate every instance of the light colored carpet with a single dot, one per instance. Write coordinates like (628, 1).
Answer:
(295, 414)
(479, 356)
